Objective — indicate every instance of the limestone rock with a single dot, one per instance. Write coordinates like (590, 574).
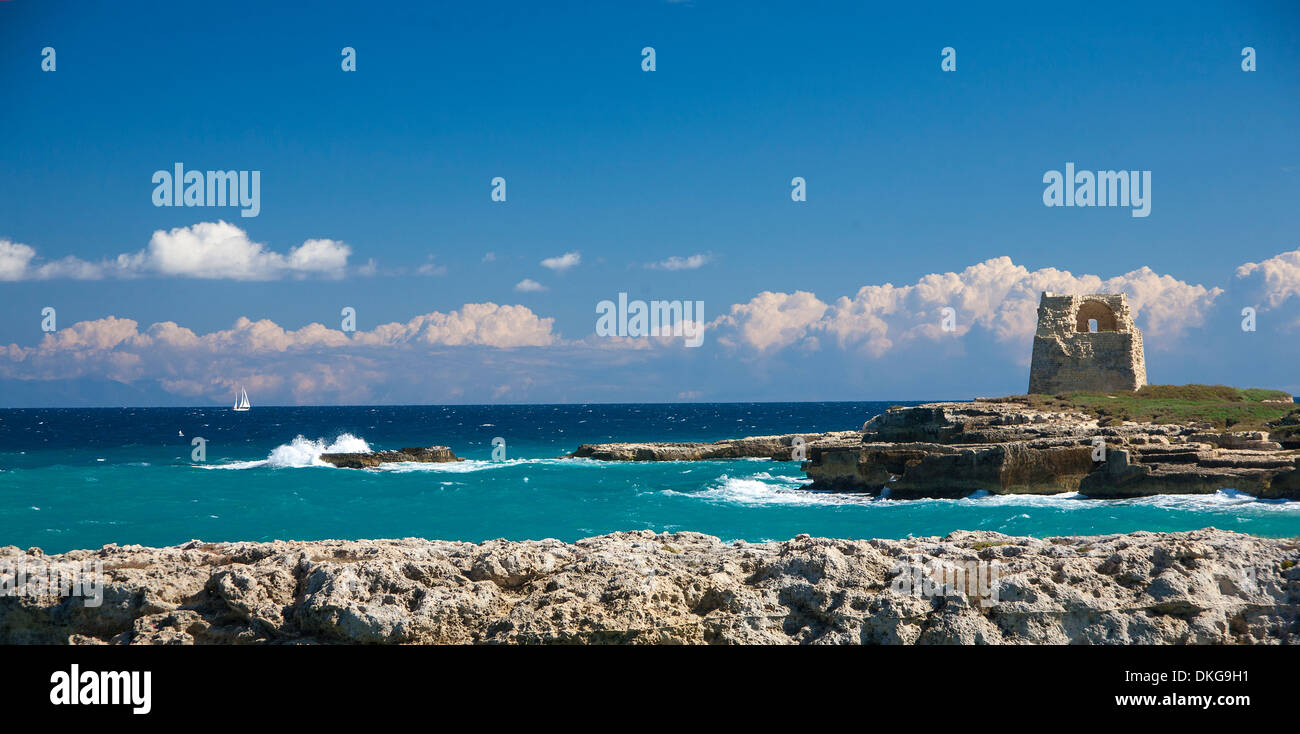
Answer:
(954, 449)
(1206, 587)
(1237, 440)
(432, 454)
(777, 448)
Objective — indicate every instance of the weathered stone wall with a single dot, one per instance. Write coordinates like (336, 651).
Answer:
(1066, 357)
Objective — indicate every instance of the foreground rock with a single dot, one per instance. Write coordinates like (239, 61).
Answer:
(954, 449)
(369, 460)
(779, 448)
(1201, 587)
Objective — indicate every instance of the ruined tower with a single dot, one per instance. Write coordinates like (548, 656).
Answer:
(1086, 343)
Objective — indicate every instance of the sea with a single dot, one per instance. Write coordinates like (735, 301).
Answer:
(83, 478)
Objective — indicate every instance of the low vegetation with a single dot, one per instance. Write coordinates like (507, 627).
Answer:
(1286, 429)
(1221, 406)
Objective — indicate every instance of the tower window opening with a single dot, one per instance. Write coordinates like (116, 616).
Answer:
(1094, 316)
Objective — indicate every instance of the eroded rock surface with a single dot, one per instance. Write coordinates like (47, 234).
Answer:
(369, 460)
(954, 449)
(1207, 586)
(778, 448)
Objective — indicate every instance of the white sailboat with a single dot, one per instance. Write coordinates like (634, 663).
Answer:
(241, 402)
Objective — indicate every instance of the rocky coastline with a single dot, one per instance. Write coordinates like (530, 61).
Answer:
(1002, 447)
(971, 587)
(1204, 587)
(778, 448)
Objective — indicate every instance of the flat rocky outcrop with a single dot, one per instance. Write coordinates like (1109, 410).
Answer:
(1203, 587)
(371, 459)
(779, 448)
(954, 449)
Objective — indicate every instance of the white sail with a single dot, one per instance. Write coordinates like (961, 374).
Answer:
(241, 402)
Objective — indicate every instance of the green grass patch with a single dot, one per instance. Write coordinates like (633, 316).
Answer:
(1222, 406)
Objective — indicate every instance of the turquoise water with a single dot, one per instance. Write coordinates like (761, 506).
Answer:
(76, 478)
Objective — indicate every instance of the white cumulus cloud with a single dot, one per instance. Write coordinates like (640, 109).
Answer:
(222, 250)
(490, 325)
(563, 262)
(20, 262)
(308, 362)
(1274, 280)
(996, 295)
(210, 250)
(774, 320)
(15, 258)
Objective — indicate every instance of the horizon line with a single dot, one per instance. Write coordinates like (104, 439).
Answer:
(488, 405)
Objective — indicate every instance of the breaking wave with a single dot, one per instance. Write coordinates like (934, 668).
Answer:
(302, 452)
(765, 489)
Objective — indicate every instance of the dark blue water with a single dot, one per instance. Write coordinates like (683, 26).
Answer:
(75, 478)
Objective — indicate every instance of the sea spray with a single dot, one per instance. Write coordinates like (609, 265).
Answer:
(301, 452)
(306, 452)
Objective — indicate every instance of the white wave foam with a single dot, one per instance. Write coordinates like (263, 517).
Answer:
(449, 467)
(302, 452)
(233, 465)
(1224, 499)
(764, 489)
(305, 452)
(474, 465)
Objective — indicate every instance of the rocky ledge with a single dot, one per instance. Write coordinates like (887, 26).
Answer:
(369, 460)
(1205, 587)
(778, 448)
(954, 449)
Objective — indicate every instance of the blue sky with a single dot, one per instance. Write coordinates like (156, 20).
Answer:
(910, 172)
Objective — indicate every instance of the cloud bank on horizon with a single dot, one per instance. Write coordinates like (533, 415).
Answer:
(996, 295)
(490, 352)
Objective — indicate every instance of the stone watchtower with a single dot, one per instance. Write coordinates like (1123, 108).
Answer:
(1086, 343)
